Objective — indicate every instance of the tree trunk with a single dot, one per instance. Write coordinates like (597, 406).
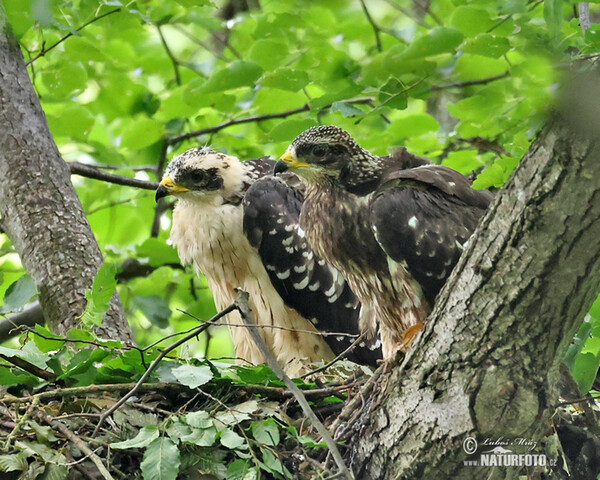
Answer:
(39, 209)
(487, 364)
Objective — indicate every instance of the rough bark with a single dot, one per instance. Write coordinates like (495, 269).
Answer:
(487, 364)
(39, 209)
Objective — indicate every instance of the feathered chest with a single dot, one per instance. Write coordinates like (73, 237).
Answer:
(211, 239)
(337, 227)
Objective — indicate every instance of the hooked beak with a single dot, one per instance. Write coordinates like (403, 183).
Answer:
(168, 187)
(288, 162)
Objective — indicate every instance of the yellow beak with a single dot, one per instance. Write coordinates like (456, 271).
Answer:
(292, 162)
(168, 187)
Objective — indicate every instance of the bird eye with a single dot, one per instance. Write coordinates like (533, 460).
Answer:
(197, 176)
(320, 150)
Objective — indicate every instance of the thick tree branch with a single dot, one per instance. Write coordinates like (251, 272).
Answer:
(90, 171)
(487, 363)
(40, 210)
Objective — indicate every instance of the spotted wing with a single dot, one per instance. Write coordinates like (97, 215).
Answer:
(306, 283)
(422, 218)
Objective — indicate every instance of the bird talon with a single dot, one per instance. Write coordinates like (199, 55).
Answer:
(409, 334)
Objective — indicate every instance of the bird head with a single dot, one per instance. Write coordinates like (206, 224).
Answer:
(321, 152)
(201, 174)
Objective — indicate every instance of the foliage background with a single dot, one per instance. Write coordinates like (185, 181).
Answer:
(126, 85)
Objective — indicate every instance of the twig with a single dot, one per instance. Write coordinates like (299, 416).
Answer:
(426, 9)
(468, 83)
(373, 25)
(241, 303)
(22, 421)
(170, 55)
(276, 327)
(78, 442)
(255, 118)
(199, 42)
(46, 50)
(30, 368)
(339, 357)
(92, 172)
(584, 16)
(155, 363)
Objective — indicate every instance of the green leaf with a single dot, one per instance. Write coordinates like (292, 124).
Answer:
(29, 352)
(203, 437)
(43, 434)
(232, 440)
(241, 470)
(157, 252)
(145, 437)
(199, 419)
(155, 308)
(393, 94)
(99, 297)
(64, 78)
(289, 129)
(345, 108)
(74, 121)
(18, 294)
(161, 460)
(285, 79)
(413, 125)
(237, 74)
(193, 376)
(10, 463)
(463, 161)
(584, 371)
(487, 45)
(56, 471)
(266, 432)
(553, 16)
(471, 20)
(142, 132)
(438, 40)
(267, 53)
(272, 464)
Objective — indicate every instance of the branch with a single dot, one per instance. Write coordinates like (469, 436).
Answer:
(155, 363)
(30, 368)
(584, 16)
(241, 304)
(255, 118)
(46, 50)
(174, 61)
(468, 83)
(75, 440)
(90, 171)
(376, 29)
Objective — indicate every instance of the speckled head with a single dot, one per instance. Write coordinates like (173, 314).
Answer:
(201, 173)
(327, 151)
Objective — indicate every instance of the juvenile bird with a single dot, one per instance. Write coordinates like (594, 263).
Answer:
(394, 226)
(239, 227)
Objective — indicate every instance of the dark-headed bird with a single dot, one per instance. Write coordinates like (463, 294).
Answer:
(394, 226)
(239, 227)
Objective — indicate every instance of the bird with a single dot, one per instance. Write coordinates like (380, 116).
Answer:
(394, 226)
(238, 225)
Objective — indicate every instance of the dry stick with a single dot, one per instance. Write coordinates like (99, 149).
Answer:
(46, 50)
(156, 361)
(92, 172)
(78, 442)
(241, 303)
